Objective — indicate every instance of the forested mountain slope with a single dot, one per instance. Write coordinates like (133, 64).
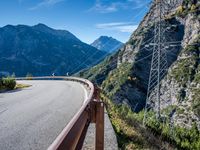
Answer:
(41, 50)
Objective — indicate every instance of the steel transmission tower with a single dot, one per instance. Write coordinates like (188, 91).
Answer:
(159, 65)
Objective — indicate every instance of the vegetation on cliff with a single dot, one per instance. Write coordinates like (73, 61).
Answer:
(188, 7)
(157, 135)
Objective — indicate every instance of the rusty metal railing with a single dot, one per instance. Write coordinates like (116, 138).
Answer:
(92, 111)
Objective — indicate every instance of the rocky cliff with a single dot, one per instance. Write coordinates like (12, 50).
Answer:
(124, 75)
(184, 76)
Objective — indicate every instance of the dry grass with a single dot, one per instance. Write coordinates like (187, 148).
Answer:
(21, 86)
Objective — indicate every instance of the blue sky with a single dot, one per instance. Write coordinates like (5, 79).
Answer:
(87, 19)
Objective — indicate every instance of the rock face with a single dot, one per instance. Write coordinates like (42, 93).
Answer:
(107, 44)
(41, 50)
(185, 76)
(124, 75)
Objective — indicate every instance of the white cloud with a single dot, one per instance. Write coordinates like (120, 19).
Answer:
(104, 6)
(103, 25)
(45, 3)
(118, 26)
(128, 28)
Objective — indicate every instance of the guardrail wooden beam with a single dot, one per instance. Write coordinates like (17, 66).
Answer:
(74, 139)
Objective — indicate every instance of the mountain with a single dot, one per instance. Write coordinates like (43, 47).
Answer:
(107, 44)
(41, 50)
(123, 77)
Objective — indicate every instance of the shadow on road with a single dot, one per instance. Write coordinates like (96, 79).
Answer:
(12, 91)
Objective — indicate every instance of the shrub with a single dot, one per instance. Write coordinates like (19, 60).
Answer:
(179, 10)
(9, 83)
(29, 76)
(193, 8)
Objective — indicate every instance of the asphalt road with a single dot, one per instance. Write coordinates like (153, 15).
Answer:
(31, 118)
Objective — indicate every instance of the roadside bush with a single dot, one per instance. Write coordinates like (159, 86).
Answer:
(9, 83)
(29, 76)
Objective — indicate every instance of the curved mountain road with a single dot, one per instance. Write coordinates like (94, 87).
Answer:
(33, 117)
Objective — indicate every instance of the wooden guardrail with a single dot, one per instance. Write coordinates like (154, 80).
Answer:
(92, 111)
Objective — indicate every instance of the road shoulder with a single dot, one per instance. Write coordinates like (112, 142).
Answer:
(110, 139)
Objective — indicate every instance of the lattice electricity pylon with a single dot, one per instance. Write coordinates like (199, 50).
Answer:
(158, 92)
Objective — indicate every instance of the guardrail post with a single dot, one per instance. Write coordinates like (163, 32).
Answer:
(99, 143)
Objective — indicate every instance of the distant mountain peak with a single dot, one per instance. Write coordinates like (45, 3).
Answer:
(42, 26)
(104, 36)
(108, 44)
(64, 33)
(7, 26)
